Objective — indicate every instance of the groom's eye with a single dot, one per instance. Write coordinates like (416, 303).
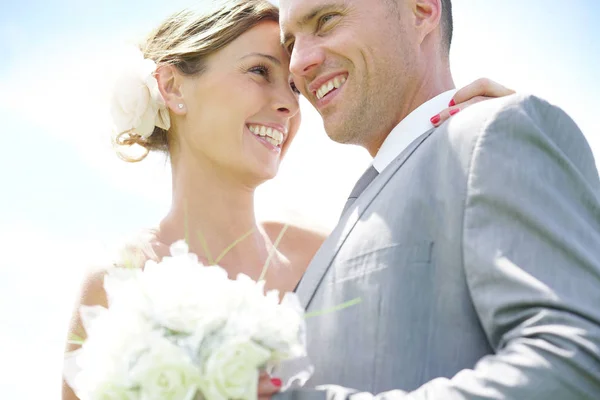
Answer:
(325, 19)
(290, 47)
(294, 87)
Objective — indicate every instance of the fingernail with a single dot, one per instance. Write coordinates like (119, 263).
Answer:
(452, 112)
(434, 120)
(452, 103)
(276, 382)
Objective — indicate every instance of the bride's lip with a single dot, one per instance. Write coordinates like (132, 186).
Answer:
(273, 125)
(269, 146)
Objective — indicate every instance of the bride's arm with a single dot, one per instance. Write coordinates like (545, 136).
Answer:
(479, 90)
(91, 293)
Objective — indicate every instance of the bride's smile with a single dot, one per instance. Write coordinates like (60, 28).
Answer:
(271, 136)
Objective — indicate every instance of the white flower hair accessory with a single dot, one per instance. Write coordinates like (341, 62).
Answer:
(136, 105)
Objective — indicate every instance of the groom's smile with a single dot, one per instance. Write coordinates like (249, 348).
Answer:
(326, 87)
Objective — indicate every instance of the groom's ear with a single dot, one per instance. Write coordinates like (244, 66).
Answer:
(170, 81)
(428, 14)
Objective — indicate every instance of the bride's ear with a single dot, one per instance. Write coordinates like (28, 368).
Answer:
(169, 84)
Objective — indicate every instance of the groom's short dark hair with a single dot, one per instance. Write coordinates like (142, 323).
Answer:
(447, 24)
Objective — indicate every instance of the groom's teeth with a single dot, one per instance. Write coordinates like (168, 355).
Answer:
(271, 135)
(328, 86)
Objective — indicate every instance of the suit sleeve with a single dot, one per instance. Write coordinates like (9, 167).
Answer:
(531, 253)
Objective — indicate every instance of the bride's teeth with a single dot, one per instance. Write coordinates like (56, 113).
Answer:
(271, 135)
(330, 86)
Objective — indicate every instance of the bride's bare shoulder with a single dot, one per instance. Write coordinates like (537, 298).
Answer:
(133, 252)
(300, 240)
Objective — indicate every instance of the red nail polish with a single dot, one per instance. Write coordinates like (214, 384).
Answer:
(434, 120)
(452, 103)
(276, 382)
(452, 112)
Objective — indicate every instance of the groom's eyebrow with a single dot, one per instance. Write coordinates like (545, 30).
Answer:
(308, 18)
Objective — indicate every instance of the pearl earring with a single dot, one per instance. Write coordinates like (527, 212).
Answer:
(180, 106)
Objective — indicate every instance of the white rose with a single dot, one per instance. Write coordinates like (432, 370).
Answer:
(283, 334)
(185, 296)
(231, 371)
(123, 289)
(110, 391)
(136, 102)
(115, 338)
(165, 372)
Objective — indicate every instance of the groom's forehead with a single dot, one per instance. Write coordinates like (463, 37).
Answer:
(298, 11)
(295, 14)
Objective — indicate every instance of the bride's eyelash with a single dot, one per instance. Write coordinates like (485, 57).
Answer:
(261, 69)
(265, 71)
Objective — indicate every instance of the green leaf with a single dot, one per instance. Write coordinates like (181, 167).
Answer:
(75, 339)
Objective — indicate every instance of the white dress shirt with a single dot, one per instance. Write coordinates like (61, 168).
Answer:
(410, 128)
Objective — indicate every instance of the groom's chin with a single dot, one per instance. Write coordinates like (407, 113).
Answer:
(338, 132)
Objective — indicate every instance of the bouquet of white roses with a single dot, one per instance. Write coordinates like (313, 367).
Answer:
(181, 330)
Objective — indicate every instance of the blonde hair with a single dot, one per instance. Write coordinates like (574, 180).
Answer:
(188, 37)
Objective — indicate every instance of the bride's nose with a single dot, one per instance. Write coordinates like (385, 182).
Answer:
(286, 103)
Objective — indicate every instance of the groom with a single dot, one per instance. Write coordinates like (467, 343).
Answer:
(474, 247)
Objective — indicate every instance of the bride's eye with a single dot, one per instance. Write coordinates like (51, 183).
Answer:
(261, 70)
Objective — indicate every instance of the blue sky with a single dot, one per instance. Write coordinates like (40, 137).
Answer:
(65, 196)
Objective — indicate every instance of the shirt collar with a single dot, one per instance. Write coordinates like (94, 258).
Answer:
(409, 129)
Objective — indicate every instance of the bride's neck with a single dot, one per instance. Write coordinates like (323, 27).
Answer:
(213, 210)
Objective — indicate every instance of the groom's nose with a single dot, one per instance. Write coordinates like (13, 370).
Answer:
(306, 57)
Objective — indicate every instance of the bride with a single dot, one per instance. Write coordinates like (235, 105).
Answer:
(225, 111)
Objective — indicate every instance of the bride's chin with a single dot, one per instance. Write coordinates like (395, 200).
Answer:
(261, 173)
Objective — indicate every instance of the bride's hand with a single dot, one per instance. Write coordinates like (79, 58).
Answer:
(267, 386)
(480, 90)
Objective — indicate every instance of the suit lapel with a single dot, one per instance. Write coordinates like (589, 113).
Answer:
(322, 261)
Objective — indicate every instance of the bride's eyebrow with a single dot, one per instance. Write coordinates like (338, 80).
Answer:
(269, 57)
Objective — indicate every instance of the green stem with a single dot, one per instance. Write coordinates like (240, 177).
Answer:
(205, 248)
(272, 252)
(232, 245)
(347, 304)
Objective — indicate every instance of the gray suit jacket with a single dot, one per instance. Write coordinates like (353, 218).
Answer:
(476, 256)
